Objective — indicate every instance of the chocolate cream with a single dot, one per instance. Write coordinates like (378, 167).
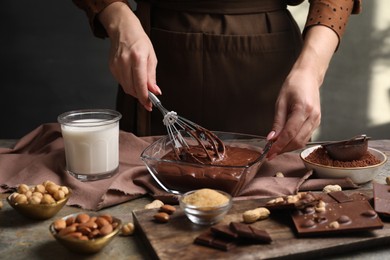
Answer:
(228, 173)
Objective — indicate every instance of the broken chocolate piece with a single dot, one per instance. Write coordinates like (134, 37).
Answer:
(352, 216)
(339, 196)
(223, 231)
(250, 234)
(381, 199)
(207, 239)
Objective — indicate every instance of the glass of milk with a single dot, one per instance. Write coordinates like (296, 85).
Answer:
(91, 139)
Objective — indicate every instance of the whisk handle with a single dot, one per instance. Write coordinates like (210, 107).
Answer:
(156, 102)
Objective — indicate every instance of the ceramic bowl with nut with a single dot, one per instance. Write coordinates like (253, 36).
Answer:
(41, 201)
(205, 206)
(85, 233)
(358, 174)
(180, 176)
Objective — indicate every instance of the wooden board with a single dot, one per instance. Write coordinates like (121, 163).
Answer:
(174, 240)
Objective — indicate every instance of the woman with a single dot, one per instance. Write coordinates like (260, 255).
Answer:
(240, 66)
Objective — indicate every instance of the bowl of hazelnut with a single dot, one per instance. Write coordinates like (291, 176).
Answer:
(85, 233)
(41, 201)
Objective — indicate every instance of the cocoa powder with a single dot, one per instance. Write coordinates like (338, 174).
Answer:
(320, 156)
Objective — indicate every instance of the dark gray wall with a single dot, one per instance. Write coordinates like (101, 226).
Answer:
(50, 63)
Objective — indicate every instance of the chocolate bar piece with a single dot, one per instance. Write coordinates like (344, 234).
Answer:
(297, 201)
(337, 218)
(250, 234)
(382, 199)
(223, 231)
(207, 239)
(339, 196)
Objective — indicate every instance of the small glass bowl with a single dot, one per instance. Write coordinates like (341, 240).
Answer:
(86, 246)
(205, 215)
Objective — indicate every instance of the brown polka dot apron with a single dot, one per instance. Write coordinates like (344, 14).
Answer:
(220, 63)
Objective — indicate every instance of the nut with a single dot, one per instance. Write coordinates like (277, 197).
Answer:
(84, 227)
(154, 204)
(40, 188)
(20, 199)
(34, 200)
(331, 188)
(106, 229)
(82, 218)
(334, 224)
(279, 175)
(161, 217)
(127, 229)
(168, 209)
(23, 188)
(46, 193)
(292, 199)
(58, 195)
(253, 215)
(59, 224)
(101, 222)
(47, 199)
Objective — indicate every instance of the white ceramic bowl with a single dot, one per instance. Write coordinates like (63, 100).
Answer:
(358, 175)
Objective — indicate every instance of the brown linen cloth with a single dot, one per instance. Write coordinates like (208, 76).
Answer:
(39, 156)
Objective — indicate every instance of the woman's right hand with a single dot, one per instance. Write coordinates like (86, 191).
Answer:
(132, 58)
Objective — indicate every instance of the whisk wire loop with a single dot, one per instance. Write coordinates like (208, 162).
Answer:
(177, 126)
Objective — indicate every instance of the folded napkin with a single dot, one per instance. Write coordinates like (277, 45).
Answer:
(40, 156)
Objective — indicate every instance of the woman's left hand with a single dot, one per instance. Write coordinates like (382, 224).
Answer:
(298, 109)
(298, 112)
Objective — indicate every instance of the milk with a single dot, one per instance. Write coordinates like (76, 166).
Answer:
(91, 146)
(91, 149)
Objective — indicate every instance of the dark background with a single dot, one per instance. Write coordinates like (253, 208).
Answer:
(51, 63)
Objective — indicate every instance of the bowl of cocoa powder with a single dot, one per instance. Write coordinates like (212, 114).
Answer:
(359, 171)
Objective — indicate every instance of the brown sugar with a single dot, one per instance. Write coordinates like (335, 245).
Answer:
(320, 156)
(206, 198)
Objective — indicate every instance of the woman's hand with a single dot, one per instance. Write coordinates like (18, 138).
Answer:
(132, 58)
(298, 109)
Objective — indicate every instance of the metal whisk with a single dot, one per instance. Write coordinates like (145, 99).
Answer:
(207, 144)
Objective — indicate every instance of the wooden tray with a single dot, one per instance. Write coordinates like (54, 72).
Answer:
(174, 240)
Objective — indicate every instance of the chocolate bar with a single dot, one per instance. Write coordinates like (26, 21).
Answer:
(250, 234)
(223, 231)
(208, 239)
(336, 218)
(381, 194)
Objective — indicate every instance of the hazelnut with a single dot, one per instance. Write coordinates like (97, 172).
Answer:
(127, 229)
(23, 188)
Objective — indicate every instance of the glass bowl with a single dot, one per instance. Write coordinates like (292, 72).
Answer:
(206, 215)
(85, 246)
(179, 177)
(358, 175)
